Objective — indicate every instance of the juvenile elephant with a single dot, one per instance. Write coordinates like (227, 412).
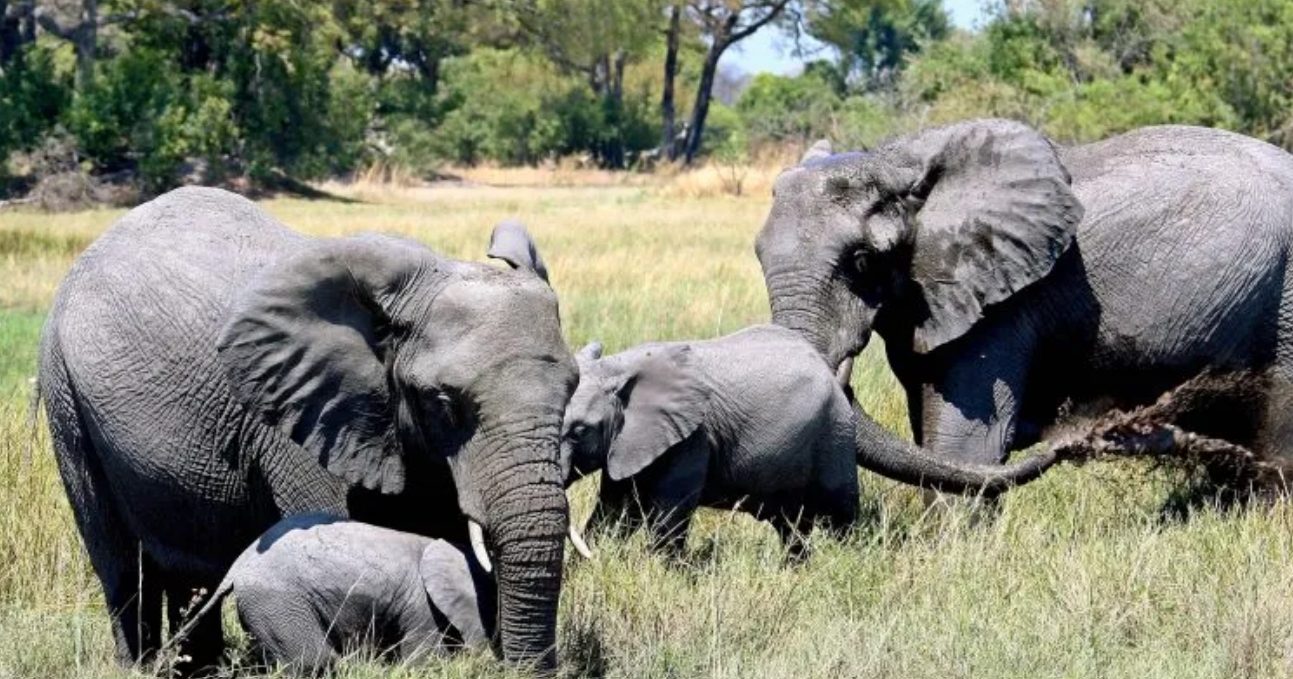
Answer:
(754, 419)
(1008, 276)
(207, 371)
(313, 587)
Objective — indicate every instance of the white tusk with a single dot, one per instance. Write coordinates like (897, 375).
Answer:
(578, 541)
(477, 536)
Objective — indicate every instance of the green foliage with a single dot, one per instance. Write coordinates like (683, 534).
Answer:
(513, 108)
(322, 89)
(115, 118)
(799, 110)
(1084, 71)
(780, 108)
(875, 37)
(33, 95)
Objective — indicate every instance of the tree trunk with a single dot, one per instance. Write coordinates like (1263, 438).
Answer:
(667, 133)
(701, 109)
(86, 38)
(17, 28)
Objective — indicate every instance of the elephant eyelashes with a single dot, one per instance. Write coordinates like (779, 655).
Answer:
(451, 408)
(579, 434)
(868, 269)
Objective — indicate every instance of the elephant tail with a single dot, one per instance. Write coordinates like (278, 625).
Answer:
(218, 596)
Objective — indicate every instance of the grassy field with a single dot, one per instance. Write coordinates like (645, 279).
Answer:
(1083, 574)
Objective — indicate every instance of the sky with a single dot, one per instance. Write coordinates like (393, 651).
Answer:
(767, 51)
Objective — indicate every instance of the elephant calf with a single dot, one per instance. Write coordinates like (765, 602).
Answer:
(754, 420)
(314, 586)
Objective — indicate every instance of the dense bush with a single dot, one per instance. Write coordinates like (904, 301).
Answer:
(511, 108)
(33, 97)
(322, 89)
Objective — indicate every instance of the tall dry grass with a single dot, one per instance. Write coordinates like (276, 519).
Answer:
(1084, 574)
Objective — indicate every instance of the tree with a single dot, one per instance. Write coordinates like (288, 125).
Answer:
(78, 24)
(17, 28)
(874, 38)
(668, 133)
(596, 40)
(724, 23)
(416, 35)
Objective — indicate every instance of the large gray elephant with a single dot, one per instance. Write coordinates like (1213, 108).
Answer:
(207, 371)
(1009, 277)
(754, 420)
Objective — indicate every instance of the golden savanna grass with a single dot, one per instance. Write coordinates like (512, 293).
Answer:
(1084, 574)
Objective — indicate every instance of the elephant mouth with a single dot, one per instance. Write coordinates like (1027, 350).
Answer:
(850, 348)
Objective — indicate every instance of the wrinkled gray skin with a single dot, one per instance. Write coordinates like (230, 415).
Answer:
(754, 419)
(1007, 276)
(315, 587)
(207, 371)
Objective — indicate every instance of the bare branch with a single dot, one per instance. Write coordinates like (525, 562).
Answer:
(774, 9)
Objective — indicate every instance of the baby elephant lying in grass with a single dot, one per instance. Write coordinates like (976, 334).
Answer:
(755, 419)
(314, 586)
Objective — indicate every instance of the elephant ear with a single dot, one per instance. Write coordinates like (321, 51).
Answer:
(511, 242)
(591, 351)
(995, 212)
(663, 402)
(820, 149)
(304, 347)
(460, 590)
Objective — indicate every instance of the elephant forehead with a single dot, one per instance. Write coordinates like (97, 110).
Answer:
(512, 309)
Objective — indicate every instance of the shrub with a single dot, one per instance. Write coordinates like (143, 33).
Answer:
(33, 94)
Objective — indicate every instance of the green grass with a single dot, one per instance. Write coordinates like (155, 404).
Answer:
(1082, 574)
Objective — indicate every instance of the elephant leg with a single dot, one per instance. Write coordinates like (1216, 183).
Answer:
(670, 490)
(839, 514)
(670, 525)
(793, 528)
(204, 645)
(285, 631)
(617, 512)
(971, 400)
(130, 580)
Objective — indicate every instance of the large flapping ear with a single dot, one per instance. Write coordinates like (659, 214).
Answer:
(511, 242)
(664, 403)
(820, 149)
(463, 592)
(304, 347)
(995, 212)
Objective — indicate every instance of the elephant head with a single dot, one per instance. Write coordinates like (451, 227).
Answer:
(629, 409)
(923, 233)
(372, 350)
(918, 237)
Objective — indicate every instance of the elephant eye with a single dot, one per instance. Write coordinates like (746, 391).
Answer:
(579, 431)
(869, 269)
(859, 261)
(450, 407)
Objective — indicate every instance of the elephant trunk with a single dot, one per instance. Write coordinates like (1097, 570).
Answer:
(527, 521)
(882, 452)
(835, 323)
(530, 542)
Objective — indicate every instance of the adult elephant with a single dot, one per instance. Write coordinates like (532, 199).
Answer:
(1009, 277)
(207, 371)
